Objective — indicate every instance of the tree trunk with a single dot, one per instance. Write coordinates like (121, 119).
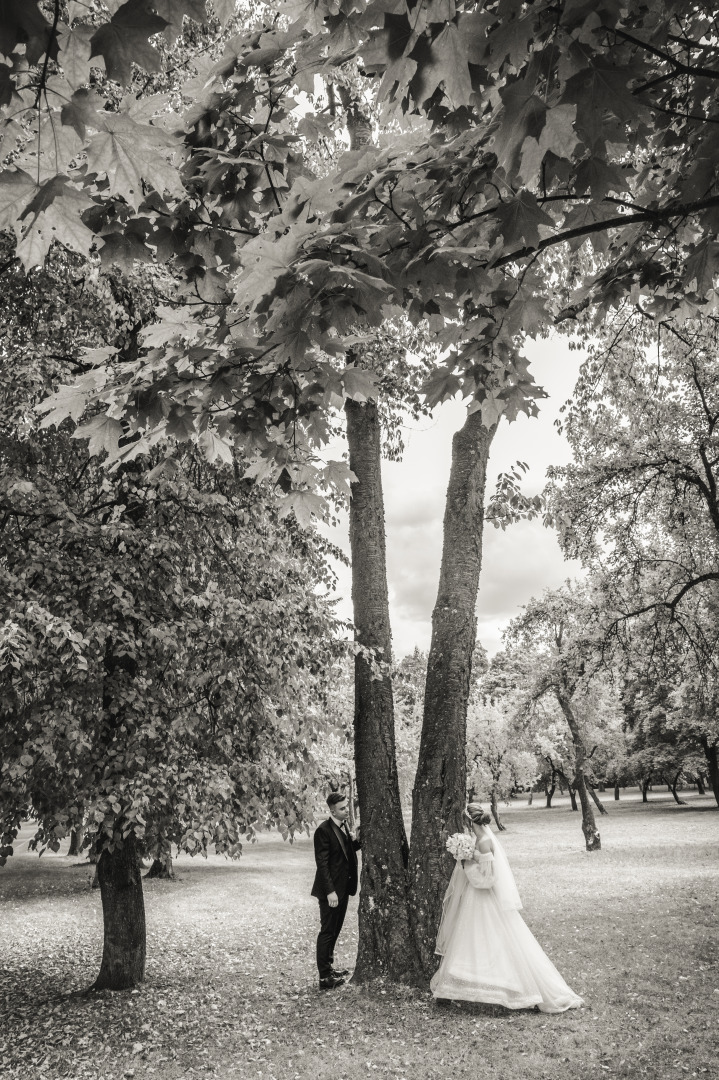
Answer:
(529, 800)
(616, 791)
(597, 801)
(549, 790)
(573, 797)
(495, 811)
(123, 912)
(711, 752)
(673, 789)
(701, 790)
(440, 782)
(645, 789)
(161, 867)
(592, 839)
(76, 838)
(385, 938)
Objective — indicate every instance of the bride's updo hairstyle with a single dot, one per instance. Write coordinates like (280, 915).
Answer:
(477, 814)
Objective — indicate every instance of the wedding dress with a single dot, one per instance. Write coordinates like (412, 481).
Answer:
(488, 952)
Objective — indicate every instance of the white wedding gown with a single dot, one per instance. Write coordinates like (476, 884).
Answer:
(488, 952)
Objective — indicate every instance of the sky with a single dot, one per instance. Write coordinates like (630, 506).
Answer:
(519, 562)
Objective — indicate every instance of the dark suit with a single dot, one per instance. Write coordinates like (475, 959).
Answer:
(336, 861)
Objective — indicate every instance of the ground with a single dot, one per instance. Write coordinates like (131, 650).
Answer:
(231, 990)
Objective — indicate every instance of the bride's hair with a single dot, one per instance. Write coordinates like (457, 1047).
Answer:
(477, 814)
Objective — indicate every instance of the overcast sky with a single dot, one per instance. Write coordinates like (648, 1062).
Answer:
(517, 563)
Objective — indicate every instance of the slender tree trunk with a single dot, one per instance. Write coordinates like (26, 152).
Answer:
(161, 867)
(529, 800)
(645, 789)
(385, 938)
(123, 912)
(597, 801)
(573, 796)
(592, 839)
(673, 789)
(616, 791)
(440, 782)
(711, 752)
(76, 838)
(701, 790)
(495, 810)
(549, 789)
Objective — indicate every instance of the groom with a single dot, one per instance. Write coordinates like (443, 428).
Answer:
(335, 882)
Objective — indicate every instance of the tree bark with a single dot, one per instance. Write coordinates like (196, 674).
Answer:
(616, 791)
(645, 789)
(549, 789)
(592, 838)
(711, 752)
(701, 790)
(529, 800)
(673, 789)
(123, 912)
(440, 782)
(385, 937)
(597, 801)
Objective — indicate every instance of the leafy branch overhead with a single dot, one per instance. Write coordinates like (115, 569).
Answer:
(533, 162)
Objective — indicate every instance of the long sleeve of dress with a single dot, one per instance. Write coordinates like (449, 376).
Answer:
(479, 873)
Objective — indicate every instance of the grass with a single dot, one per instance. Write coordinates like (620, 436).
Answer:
(231, 988)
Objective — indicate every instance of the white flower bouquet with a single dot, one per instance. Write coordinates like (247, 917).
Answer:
(461, 845)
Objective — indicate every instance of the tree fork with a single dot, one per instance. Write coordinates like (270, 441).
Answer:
(385, 938)
(123, 912)
(440, 784)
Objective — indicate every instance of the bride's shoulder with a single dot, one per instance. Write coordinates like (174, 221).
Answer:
(485, 846)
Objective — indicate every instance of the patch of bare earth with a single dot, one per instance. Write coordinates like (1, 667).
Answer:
(231, 988)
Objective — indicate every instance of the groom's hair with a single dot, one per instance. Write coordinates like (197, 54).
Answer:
(335, 797)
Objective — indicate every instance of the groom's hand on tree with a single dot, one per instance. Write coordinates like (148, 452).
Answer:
(333, 899)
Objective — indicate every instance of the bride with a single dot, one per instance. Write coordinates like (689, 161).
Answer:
(488, 951)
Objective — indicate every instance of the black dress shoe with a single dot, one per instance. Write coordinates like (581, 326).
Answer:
(331, 982)
(340, 973)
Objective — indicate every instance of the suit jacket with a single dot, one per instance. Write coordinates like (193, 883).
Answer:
(336, 862)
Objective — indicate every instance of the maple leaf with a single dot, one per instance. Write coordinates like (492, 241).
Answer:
(449, 67)
(519, 220)
(74, 53)
(213, 447)
(102, 432)
(359, 384)
(128, 153)
(441, 385)
(306, 505)
(22, 23)
(702, 267)
(81, 112)
(17, 189)
(53, 214)
(123, 42)
(174, 11)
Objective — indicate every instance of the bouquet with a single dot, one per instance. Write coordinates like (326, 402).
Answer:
(461, 845)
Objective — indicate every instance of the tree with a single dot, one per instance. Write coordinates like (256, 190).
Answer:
(163, 650)
(496, 746)
(555, 628)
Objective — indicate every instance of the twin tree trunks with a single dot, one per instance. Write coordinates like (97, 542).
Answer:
(402, 889)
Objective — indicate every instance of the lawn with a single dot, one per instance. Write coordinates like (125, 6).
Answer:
(231, 989)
